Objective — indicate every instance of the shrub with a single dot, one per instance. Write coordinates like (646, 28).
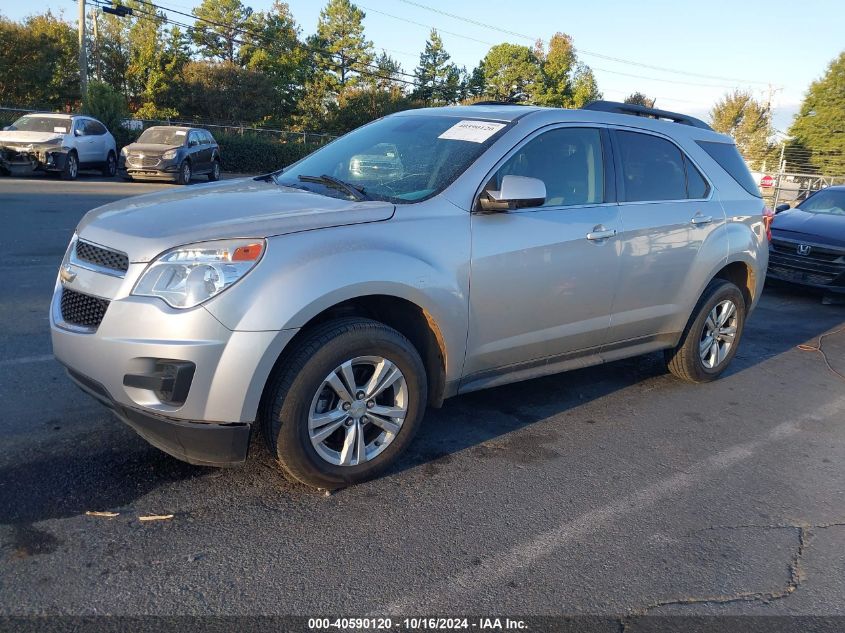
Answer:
(259, 153)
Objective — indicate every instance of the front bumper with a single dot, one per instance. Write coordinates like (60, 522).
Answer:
(24, 159)
(162, 169)
(808, 264)
(192, 442)
(122, 355)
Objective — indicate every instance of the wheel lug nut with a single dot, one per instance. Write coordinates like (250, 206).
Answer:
(348, 423)
(360, 395)
(370, 404)
(346, 406)
(364, 419)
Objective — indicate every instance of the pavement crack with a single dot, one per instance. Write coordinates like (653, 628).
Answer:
(804, 533)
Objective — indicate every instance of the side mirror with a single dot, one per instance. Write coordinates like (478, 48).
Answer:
(516, 192)
(782, 207)
(77, 132)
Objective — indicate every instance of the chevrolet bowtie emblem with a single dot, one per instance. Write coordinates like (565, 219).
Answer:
(67, 274)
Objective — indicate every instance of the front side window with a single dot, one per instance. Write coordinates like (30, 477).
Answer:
(652, 168)
(569, 162)
(402, 159)
(94, 128)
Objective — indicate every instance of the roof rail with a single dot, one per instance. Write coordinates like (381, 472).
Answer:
(489, 103)
(638, 110)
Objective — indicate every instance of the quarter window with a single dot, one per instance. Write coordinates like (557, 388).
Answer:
(652, 168)
(697, 187)
(567, 160)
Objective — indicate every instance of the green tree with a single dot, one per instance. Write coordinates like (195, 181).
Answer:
(38, 62)
(387, 73)
(567, 82)
(638, 98)
(220, 28)
(748, 122)
(215, 91)
(819, 126)
(340, 33)
(512, 73)
(273, 48)
(438, 80)
(106, 104)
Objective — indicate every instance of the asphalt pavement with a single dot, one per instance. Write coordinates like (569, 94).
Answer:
(609, 490)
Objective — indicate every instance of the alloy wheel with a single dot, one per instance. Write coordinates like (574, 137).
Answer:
(358, 410)
(718, 334)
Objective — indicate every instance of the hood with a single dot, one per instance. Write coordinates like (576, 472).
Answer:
(145, 226)
(822, 228)
(22, 137)
(151, 148)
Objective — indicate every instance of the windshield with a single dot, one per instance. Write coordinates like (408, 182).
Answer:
(830, 201)
(400, 159)
(163, 136)
(30, 123)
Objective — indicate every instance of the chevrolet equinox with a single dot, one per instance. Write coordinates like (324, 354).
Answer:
(427, 254)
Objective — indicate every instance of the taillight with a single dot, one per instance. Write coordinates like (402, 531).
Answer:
(768, 218)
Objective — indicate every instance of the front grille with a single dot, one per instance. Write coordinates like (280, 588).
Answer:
(137, 160)
(102, 256)
(823, 265)
(820, 253)
(82, 309)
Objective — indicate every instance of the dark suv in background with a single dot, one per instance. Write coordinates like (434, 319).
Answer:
(172, 153)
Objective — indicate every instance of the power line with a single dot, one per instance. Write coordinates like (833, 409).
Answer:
(580, 50)
(265, 38)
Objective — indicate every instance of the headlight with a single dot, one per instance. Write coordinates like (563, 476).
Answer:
(124, 151)
(171, 153)
(189, 275)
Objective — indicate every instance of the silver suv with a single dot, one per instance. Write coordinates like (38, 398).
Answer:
(329, 303)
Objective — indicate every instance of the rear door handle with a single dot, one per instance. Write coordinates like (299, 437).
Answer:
(600, 233)
(701, 220)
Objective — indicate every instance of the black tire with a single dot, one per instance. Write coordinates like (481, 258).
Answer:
(71, 170)
(127, 178)
(291, 392)
(110, 168)
(685, 360)
(214, 174)
(185, 173)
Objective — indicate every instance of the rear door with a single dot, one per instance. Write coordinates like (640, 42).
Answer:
(668, 214)
(542, 278)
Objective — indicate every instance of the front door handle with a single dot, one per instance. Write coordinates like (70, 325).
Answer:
(600, 233)
(701, 220)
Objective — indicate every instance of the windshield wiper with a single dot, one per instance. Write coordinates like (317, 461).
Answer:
(336, 183)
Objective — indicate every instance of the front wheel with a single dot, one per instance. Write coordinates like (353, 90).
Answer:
(712, 335)
(110, 168)
(184, 177)
(71, 170)
(347, 402)
(214, 174)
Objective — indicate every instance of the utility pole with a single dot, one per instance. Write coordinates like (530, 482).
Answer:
(83, 58)
(96, 44)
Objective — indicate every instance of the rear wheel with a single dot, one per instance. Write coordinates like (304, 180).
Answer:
(184, 177)
(712, 335)
(348, 401)
(110, 168)
(71, 170)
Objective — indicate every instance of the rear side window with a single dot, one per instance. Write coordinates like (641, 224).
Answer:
(652, 168)
(728, 157)
(696, 185)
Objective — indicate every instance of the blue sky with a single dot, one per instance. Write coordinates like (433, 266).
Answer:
(747, 45)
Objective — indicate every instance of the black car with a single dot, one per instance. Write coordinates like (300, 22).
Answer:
(808, 242)
(173, 153)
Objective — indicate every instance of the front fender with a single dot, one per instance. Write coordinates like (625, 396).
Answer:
(304, 274)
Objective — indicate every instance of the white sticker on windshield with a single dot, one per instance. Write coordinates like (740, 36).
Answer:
(60, 129)
(180, 133)
(473, 131)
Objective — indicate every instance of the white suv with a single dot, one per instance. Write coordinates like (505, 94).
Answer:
(57, 143)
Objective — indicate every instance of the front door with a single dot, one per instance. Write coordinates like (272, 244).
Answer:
(542, 278)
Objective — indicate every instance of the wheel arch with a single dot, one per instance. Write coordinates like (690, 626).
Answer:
(407, 317)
